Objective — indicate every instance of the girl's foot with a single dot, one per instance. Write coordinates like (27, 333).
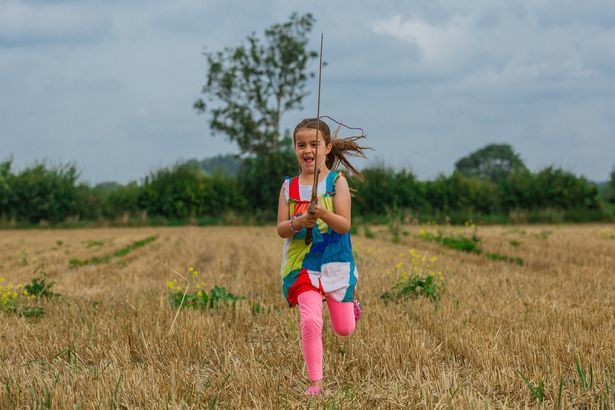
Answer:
(357, 310)
(313, 391)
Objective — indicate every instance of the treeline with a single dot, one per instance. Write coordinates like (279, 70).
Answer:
(185, 193)
(550, 195)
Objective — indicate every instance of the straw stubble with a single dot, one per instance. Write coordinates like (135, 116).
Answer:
(107, 342)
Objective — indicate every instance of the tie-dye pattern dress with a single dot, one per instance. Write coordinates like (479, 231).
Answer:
(326, 265)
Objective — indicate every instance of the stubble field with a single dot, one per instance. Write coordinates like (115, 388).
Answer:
(107, 341)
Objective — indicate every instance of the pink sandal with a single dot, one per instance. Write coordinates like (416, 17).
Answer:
(313, 391)
(357, 310)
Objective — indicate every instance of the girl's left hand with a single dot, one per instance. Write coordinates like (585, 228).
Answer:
(321, 211)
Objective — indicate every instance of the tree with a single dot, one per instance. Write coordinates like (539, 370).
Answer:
(42, 192)
(609, 192)
(250, 86)
(260, 180)
(114, 200)
(227, 164)
(495, 163)
(174, 192)
(184, 190)
(5, 187)
(376, 191)
(556, 188)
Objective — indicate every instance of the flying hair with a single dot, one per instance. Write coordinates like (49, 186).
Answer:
(341, 148)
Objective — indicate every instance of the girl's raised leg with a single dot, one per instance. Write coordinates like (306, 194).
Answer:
(342, 316)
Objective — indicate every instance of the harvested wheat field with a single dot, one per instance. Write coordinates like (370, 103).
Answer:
(504, 333)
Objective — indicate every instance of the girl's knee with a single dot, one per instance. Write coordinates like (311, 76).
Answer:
(342, 317)
(344, 329)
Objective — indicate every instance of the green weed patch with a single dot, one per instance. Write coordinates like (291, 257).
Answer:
(418, 278)
(505, 258)
(515, 243)
(199, 298)
(92, 243)
(97, 260)
(458, 243)
(24, 300)
(468, 244)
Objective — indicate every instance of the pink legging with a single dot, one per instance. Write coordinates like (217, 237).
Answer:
(310, 311)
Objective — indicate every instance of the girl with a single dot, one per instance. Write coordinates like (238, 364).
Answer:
(325, 267)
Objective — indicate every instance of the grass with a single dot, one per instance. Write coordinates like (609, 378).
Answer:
(93, 242)
(471, 244)
(417, 276)
(104, 259)
(505, 258)
(192, 293)
(458, 242)
(369, 234)
(134, 246)
(106, 342)
(25, 300)
(536, 389)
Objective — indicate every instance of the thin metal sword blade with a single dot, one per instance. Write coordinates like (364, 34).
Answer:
(308, 236)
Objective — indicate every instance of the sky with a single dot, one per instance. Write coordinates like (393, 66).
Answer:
(109, 85)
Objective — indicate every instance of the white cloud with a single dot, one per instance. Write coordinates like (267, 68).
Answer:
(437, 42)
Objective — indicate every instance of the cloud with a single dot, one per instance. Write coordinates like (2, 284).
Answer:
(441, 77)
(23, 24)
(438, 43)
(514, 47)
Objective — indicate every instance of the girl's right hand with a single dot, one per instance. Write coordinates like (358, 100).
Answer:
(307, 220)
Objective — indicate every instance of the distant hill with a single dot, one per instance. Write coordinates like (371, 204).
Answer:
(106, 187)
(227, 164)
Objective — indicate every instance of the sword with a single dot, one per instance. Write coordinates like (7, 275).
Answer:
(314, 199)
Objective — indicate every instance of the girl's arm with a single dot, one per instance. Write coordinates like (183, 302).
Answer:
(303, 221)
(283, 217)
(339, 220)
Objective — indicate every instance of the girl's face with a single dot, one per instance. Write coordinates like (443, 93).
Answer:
(305, 149)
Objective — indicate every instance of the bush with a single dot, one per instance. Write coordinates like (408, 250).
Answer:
(259, 181)
(40, 193)
(419, 277)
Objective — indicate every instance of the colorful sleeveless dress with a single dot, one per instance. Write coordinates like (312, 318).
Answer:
(326, 265)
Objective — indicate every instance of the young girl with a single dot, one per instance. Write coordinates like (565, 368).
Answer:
(325, 267)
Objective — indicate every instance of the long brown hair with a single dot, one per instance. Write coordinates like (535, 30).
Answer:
(340, 147)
